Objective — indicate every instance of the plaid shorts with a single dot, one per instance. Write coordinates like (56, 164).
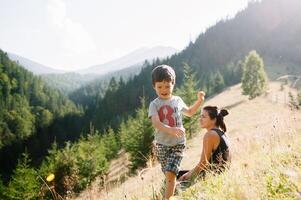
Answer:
(170, 157)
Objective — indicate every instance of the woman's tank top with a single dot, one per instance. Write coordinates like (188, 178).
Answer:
(220, 157)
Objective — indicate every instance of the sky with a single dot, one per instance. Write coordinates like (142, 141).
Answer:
(76, 34)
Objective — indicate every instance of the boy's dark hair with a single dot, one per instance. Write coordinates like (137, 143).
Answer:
(214, 113)
(163, 73)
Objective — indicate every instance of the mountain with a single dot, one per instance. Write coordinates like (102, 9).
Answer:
(271, 27)
(134, 58)
(126, 66)
(68, 82)
(73, 83)
(33, 66)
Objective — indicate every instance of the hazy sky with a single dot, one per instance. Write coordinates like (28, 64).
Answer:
(73, 34)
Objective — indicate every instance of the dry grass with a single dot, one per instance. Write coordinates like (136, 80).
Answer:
(266, 159)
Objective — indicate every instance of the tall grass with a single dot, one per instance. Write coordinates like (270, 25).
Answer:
(266, 155)
(266, 166)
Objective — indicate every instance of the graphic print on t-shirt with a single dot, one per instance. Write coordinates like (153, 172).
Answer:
(166, 115)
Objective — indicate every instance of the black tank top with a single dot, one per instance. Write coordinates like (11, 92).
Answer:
(220, 157)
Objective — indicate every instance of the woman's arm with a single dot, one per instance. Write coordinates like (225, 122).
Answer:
(210, 142)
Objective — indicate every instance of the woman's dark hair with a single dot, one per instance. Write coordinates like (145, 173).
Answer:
(214, 113)
(163, 73)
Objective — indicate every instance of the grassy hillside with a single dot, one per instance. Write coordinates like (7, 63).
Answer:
(266, 142)
(266, 162)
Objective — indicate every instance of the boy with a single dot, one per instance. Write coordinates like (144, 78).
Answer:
(165, 113)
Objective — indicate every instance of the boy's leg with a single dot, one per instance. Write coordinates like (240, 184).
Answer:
(170, 184)
(172, 168)
(161, 152)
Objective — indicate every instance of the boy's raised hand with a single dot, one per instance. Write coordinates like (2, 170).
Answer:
(201, 95)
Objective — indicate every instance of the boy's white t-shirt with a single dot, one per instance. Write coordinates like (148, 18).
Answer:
(169, 112)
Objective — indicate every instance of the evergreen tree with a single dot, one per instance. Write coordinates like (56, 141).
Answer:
(91, 159)
(76, 165)
(44, 117)
(188, 92)
(113, 85)
(254, 80)
(24, 183)
(110, 143)
(19, 119)
(232, 73)
(137, 136)
(238, 71)
(62, 163)
(210, 84)
(218, 83)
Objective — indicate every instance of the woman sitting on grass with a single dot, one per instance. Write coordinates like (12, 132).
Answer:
(215, 154)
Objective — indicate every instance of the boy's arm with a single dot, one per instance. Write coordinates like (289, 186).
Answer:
(194, 108)
(175, 131)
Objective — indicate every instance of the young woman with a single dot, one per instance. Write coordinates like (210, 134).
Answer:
(215, 153)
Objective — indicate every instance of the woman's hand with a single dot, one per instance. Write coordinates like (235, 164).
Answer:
(186, 176)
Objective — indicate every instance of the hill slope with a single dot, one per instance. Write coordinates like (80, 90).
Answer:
(33, 66)
(256, 128)
(215, 56)
(135, 58)
(97, 76)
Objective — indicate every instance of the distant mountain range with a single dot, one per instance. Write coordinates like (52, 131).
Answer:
(125, 66)
(134, 58)
(33, 66)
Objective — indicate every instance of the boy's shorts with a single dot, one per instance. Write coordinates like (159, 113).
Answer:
(170, 157)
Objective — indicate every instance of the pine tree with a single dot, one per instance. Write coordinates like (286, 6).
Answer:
(188, 92)
(44, 117)
(254, 80)
(137, 136)
(90, 159)
(218, 84)
(24, 183)
(110, 143)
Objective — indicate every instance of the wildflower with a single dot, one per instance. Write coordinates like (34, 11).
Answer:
(50, 177)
